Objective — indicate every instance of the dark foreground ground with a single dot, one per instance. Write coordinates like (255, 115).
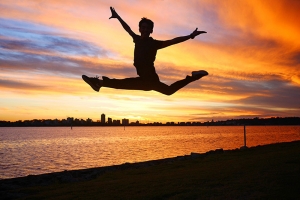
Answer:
(263, 172)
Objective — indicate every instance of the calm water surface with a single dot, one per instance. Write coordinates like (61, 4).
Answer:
(37, 150)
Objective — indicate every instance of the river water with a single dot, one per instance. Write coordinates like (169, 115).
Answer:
(37, 150)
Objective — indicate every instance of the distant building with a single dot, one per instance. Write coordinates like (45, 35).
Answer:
(109, 121)
(103, 119)
(116, 122)
(125, 121)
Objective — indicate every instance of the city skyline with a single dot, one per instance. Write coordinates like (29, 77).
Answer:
(251, 52)
(70, 121)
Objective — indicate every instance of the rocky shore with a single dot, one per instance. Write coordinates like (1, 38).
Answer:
(69, 176)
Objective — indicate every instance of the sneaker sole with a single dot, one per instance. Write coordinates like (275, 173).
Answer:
(87, 80)
(199, 74)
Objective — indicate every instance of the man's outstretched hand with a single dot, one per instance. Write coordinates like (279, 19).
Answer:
(114, 14)
(196, 32)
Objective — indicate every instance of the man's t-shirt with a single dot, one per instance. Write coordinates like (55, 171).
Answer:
(144, 55)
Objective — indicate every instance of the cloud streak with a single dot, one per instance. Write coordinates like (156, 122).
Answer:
(251, 51)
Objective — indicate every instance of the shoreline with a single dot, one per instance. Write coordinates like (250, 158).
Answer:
(90, 173)
(8, 187)
(76, 175)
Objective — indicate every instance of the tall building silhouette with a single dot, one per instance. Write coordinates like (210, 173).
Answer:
(103, 119)
(109, 121)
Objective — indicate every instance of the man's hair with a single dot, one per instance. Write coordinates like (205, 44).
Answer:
(147, 21)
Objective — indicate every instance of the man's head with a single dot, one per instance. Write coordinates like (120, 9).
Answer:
(146, 27)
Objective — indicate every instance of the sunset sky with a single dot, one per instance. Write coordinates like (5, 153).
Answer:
(251, 51)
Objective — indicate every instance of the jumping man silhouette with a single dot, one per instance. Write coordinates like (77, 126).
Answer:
(144, 56)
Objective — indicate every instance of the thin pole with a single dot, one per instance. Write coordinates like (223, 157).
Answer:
(244, 135)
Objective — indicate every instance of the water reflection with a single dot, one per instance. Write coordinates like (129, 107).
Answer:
(35, 150)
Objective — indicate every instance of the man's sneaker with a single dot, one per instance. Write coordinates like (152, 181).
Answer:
(93, 82)
(199, 74)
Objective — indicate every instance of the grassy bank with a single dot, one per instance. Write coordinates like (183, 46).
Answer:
(264, 172)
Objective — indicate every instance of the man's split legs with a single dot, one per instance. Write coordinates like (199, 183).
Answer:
(139, 83)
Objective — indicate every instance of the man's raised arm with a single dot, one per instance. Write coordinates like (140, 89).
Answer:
(181, 39)
(114, 14)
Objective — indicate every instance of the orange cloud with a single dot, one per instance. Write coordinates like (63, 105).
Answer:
(251, 51)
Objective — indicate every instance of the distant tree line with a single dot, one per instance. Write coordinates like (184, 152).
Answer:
(260, 121)
(89, 122)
